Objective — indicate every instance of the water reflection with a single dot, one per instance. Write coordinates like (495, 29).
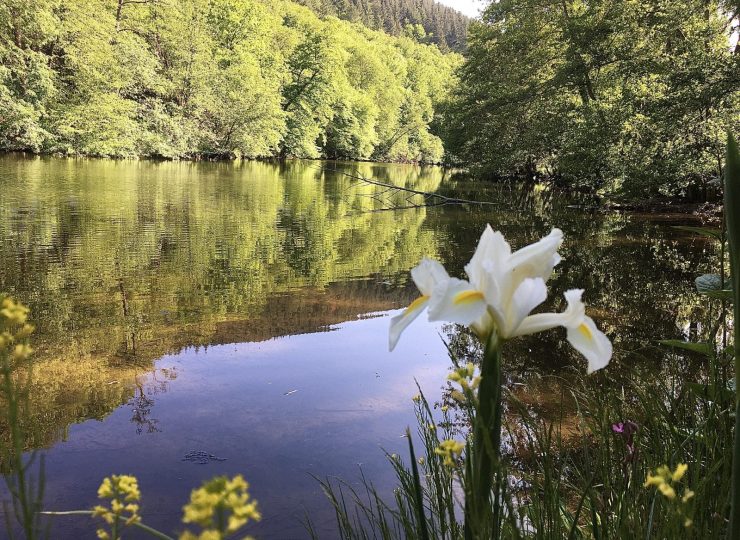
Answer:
(166, 295)
(277, 411)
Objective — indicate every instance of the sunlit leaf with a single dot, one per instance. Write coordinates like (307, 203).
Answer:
(700, 348)
(702, 231)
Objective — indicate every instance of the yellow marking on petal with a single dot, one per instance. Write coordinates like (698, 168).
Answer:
(415, 305)
(586, 331)
(467, 297)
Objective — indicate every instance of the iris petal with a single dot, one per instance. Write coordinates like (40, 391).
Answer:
(591, 343)
(457, 301)
(401, 321)
(530, 294)
(428, 275)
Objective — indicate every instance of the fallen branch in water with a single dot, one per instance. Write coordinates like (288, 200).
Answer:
(430, 199)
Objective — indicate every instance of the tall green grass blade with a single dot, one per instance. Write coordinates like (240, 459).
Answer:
(595, 525)
(419, 495)
(702, 231)
(732, 217)
(577, 515)
(699, 348)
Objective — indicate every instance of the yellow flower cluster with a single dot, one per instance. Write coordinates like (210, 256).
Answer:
(665, 480)
(450, 450)
(221, 506)
(14, 313)
(467, 379)
(13, 328)
(205, 535)
(123, 492)
(664, 477)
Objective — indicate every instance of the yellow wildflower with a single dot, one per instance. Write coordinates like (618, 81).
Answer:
(449, 450)
(665, 472)
(664, 477)
(653, 480)
(687, 496)
(667, 491)
(15, 313)
(21, 352)
(217, 498)
(120, 486)
(123, 491)
(679, 472)
(458, 396)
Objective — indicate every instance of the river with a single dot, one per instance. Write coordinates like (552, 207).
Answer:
(241, 310)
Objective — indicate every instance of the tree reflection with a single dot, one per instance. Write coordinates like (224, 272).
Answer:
(123, 263)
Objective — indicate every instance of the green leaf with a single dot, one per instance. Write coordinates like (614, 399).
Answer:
(700, 348)
(711, 392)
(702, 231)
(724, 294)
(732, 218)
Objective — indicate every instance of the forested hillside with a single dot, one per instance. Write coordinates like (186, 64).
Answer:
(213, 78)
(630, 96)
(424, 20)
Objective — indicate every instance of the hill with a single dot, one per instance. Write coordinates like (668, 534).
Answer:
(425, 20)
(208, 79)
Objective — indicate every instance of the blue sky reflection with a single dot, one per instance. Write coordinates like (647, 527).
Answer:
(350, 399)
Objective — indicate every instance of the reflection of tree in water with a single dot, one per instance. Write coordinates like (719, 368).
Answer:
(141, 409)
(122, 264)
(638, 273)
(143, 401)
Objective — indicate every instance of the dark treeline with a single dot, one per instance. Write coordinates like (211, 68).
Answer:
(213, 78)
(424, 20)
(628, 96)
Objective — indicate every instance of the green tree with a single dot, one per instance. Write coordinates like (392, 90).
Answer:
(631, 96)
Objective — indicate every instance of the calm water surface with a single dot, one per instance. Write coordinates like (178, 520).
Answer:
(242, 310)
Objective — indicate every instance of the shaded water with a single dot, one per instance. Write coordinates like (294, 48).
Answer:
(242, 310)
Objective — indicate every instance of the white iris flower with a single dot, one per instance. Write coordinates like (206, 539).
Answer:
(502, 291)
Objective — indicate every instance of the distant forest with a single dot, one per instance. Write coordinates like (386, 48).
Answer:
(424, 20)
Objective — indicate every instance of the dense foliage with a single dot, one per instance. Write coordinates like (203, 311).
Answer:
(201, 78)
(633, 95)
(425, 20)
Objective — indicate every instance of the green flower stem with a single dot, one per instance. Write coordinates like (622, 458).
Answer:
(486, 445)
(732, 216)
(146, 528)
